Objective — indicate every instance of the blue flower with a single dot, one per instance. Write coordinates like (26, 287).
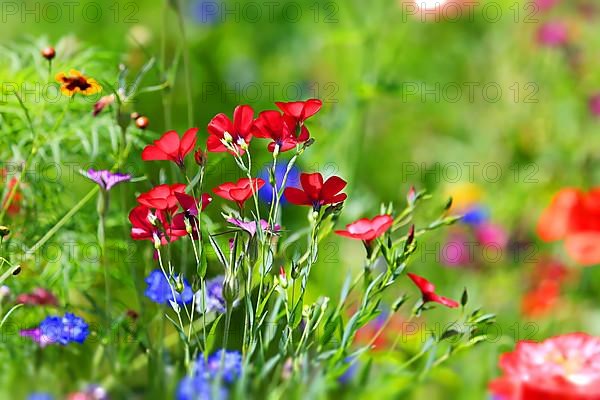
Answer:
(350, 372)
(61, 330)
(203, 383)
(206, 11)
(52, 328)
(213, 300)
(74, 328)
(475, 215)
(159, 290)
(266, 192)
(40, 396)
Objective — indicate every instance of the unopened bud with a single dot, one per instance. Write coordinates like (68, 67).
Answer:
(48, 53)
(156, 241)
(283, 278)
(231, 288)
(411, 196)
(17, 271)
(188, 226)
(179, 286)
(142, 122)
(200, 157)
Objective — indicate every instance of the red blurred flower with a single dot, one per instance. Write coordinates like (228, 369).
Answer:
(575, 217)
(148, 225)
(15, 204)
(367, 229)
(239, 130)
(315, 192)
(296, 112)
(38, 297)
(170, 147)
(428, 291)
(542, 299)
(162, 197)
(271, 125)
(240, 191)
(565, 367)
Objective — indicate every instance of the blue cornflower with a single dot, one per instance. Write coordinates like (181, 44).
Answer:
(213, 299)
(475, 215)
(61, 330)
(202, 384)
(266, 192)
(350, 372)
(74, 329)
(159, 290)
(40, 396)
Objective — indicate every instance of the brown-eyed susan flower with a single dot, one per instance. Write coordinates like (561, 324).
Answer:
(76, 82)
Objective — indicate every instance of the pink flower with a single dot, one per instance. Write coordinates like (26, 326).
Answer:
(559, 368)
(595, 104)
(553, 34)
(366, 229)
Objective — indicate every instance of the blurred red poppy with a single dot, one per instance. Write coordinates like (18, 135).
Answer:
(238, 131)
(240, 191)
(366, 229)
(428, 291)
(565, 367)
(575, 217)
(315, 192)
(171, 148)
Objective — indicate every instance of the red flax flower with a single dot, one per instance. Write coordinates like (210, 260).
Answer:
(271, 125)
(190, 212)
(148, 225)
(238, 131)
(565, 367)
(428, 291)
(366, 229)
(575, 217)
(240, 191)
(171, 148)
(315, 192)
(162, 197)
(296, 112)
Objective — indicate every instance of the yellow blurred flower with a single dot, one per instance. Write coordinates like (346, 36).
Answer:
(75, 82)
(464, 195)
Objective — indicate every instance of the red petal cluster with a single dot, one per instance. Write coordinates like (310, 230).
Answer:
(315, 192)
(239, 129)
(428, 292)
(171, 148)
(574, 216)
(366, 229)
(239, 191)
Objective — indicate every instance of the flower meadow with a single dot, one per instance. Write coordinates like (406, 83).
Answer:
(307, 200)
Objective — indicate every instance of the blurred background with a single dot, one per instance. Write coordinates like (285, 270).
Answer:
(495, 103)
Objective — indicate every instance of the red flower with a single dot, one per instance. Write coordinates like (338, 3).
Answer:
(146, 225)
(565, 367)
(239, 130)
(14, 206)
(316, 193)
(367, 229)
(162, 197)
(190, 212)
(271, 125)
(542, 299)
(428, 291)
(170, 147)
(39, 297)
(296, 112)
(575, 217)
(240, 191)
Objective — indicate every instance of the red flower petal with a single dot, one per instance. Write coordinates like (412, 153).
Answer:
(188, 142)
(296, 196)
(554, 220)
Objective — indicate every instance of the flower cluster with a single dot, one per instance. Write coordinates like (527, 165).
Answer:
(59, 330)
(221, 368)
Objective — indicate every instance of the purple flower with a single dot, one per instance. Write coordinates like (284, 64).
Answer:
(595, 104)
(250, 226)
(159, 290)
(350, 372)
(60, 330)
(553, 34)
(213, 300)
(456, 252)
(106, 179)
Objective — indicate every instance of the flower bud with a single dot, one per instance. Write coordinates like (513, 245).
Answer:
(142, 122)
(156, 241)
(17, 271)
(48, 53)
(4, 231)
(276, 150)
(200, 157)
(179, 286)
(411, 196)
(188, 226)
(231, 288)
(283, 278)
